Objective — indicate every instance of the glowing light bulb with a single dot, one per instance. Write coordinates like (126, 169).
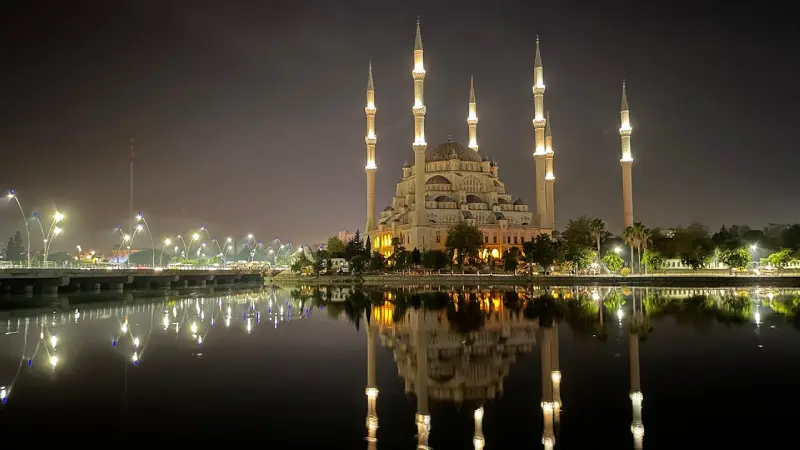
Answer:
(166, 321)
(3, 394)
(249, 325)
(595, 296)
(135, 358)
(53, 341)
(619, 314)
(125, 327)
(227, 321)
(200, 340)
(167, 241)
(58, 217)
(194, 328)
(54, 360)
(136, 342)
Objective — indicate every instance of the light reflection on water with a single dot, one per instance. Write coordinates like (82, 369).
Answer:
(449, 348)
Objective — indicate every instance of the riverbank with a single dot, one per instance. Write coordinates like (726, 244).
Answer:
(707, 281)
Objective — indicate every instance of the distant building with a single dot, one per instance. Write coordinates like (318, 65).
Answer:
(346, 236)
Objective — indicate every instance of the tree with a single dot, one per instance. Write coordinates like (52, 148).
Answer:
(15, 249)
(781, 258)
(694, 246)
(597, 229)
(579, 257)
(357, 266)
(354, 247)
(511, 259)
(652, 259)
(416, 256)
(299, 263)
(335, 247)
(728, 239)
(790, 237)
(319, 261)
(629, 236)
(434, 260)
(613, 261)
(464, 242)
(368, 247)
(737, 258)
(580, 231)
(376, 262)
(541, 251)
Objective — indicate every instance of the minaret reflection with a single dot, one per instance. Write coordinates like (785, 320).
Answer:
(372, 387)
(548, 407)
(423, 418)
(637, 427)
(555, 375)
(478, 441)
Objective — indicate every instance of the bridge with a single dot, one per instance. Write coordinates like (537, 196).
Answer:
(53, 281)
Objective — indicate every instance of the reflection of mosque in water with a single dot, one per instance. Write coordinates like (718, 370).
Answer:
(439, 363)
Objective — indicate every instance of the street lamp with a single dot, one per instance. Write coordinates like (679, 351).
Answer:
(618, 250)
(140, 218)
(753, 247)
(12, 195)
(167, 242)
(195, 237)
(52, 232)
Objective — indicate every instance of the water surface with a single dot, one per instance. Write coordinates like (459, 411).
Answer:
(448, 368)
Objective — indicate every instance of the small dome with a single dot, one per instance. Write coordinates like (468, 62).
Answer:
(406, 165)
(518, 201)
(448, 150)
(502, 201)
(388, 208)
(473, 199)
(437, 179)
(444, 198)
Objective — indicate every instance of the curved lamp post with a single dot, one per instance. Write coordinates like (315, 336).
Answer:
(140, 218)
(211, 238)
(195, 237)
(13, 195)
(167, 242)
(52, 232)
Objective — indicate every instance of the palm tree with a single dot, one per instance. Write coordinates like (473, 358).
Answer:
(629, 236)
(597, 228)
(643, 235)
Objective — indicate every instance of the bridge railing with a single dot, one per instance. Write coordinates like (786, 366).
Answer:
(53, 265)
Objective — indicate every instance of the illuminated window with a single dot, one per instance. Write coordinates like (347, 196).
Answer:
(494, 239)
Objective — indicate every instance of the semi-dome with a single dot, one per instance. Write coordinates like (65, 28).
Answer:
(437, 179)
(449, 149)
(473, 199)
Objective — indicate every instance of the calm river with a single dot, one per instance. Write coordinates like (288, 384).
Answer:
(504, 368)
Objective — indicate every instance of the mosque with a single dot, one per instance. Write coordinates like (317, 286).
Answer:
(450, 182)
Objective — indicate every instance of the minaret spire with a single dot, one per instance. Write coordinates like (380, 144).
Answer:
(472, 119)
(549, 177)
(539, 122)
(371, 166)
(420, 222)
(626, 160)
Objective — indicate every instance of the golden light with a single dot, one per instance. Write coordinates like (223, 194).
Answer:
(58, 217)
(195, 237)
(53, 341)
(139, 228)
(250, 236)
(167, 241)
(230, 239)
(135, 357)
(125, 327)
(139, 217)
(126, 238)
(194, 327)
(57, 231)
(136, 342)
(54, 360)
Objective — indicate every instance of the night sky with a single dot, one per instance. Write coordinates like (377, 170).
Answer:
(249, 116)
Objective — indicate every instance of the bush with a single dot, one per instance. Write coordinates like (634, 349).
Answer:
(625, 271)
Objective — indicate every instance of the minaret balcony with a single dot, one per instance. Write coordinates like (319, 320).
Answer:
(538, 89)
(472, 120)
(370, 110)
(371, 140)
(419, 110)
(625, 130)
(539, 122)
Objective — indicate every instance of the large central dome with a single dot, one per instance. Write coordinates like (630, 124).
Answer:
(445, 152)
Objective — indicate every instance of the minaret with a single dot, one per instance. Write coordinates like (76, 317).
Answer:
(371, 167)
(423, 418)
(472, 119)
(478, 441)
(627, 159)
(548, 434)
(549, 178)
(637, 427)
(539, 154)
(420, 213)
(555, 374)
(372, 388)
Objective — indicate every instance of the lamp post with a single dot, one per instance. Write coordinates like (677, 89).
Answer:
(185, 249)
(167, 242)
(195, 237)
(52, 232)
(13, 195)
(140, 218)
(211, 238)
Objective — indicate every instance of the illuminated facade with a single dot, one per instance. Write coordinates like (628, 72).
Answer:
(450, 183)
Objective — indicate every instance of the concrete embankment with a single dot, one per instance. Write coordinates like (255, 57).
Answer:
(554, 280)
